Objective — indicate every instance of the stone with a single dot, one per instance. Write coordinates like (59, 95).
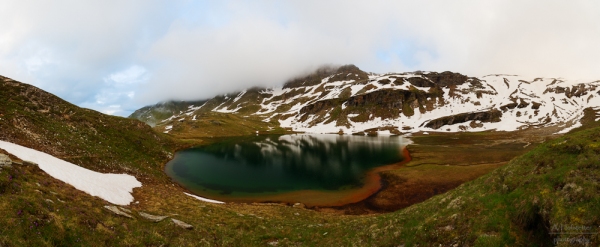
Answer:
(154, 218)
(5, 161)
(125, 210)
(298, 205)
(448, 228)
(454, 217)
(116, 211)
(456, 203)
(182, 224)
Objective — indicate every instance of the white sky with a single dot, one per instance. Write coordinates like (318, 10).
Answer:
(116, 56)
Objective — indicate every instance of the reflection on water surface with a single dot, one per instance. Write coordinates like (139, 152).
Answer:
(274, 164)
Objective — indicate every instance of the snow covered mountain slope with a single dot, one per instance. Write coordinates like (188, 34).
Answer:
(351, 101)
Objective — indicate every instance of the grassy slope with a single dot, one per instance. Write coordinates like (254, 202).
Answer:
(214, 124)
(40, 120)
(516, 205)
(555, 184)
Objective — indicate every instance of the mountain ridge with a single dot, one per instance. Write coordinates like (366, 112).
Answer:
(350, 101)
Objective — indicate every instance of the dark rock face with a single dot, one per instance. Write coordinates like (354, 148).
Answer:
(575, 90)
(389, 103)
(386, 103)
(508, 106)
(522, 104)
(420, 82)
(490, 116)
(443, 79)
(382, 98)
(321, 105)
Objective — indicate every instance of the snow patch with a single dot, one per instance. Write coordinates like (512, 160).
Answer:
(114, 188)
(203, 199)
(239, 96)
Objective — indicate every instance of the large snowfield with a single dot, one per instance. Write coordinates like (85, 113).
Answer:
(114, 188)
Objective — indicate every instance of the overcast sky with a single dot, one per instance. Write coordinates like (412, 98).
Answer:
(117, 56)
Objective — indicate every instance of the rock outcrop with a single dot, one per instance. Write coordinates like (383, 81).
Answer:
(490, 116)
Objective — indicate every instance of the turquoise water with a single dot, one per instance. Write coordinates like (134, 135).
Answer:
(282, 163)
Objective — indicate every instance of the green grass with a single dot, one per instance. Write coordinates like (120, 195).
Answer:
(214, 124)
(514, 205)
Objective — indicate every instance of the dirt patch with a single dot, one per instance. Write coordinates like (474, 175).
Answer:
(410, 185)
(440, 162)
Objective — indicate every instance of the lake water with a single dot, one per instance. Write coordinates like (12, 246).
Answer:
(258, 166)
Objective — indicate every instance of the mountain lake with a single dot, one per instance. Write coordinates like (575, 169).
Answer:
(317, 170)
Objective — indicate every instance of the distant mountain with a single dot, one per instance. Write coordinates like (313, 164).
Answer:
(349, 100)
(160, 111)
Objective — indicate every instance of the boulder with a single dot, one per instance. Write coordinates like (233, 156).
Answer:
(5, 161)
(125, 210)
(182, 224)
(116, 211)
(154, 218)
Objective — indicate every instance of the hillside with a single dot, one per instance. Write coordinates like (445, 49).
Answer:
(543, 198)
(36, 119)
(547, 195)
(351, 101)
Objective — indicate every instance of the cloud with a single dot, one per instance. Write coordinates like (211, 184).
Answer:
(133, 75)
(69, 47)
(116, 56)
